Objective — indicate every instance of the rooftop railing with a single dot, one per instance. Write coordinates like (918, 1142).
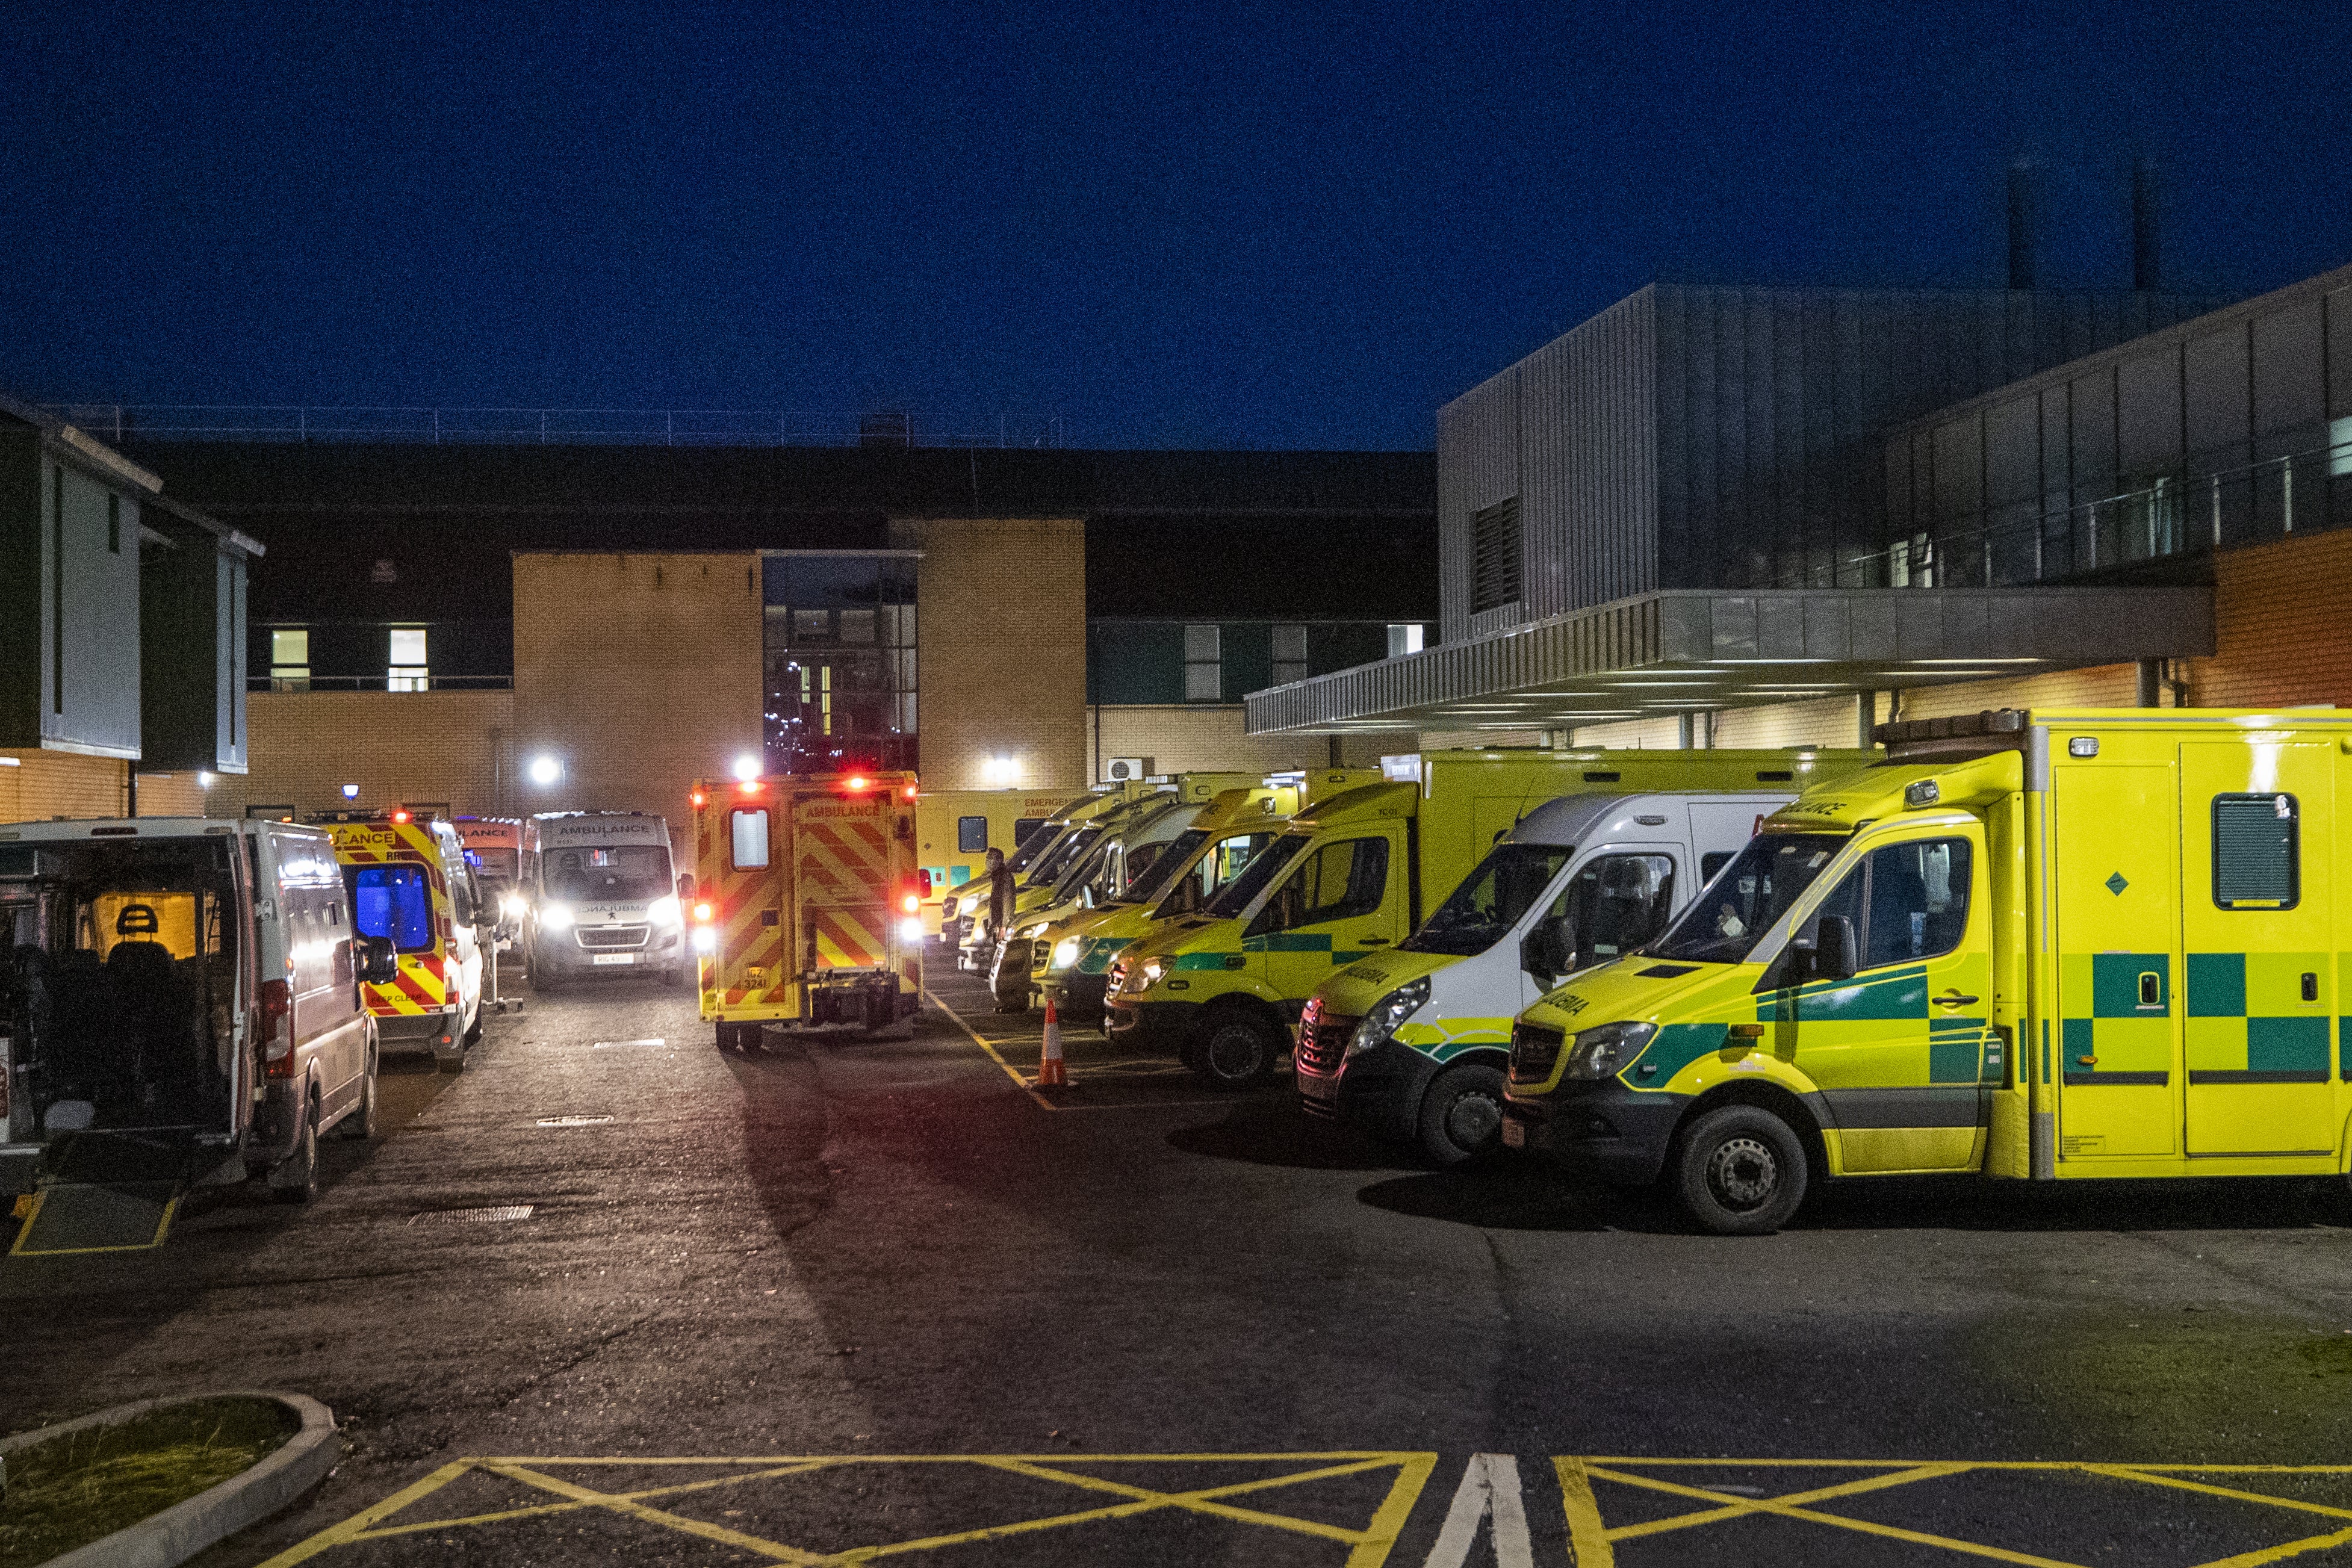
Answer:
(554, 426)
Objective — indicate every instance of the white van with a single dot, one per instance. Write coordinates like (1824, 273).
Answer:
(599, 897)
(180, 990)
(1414, 1043)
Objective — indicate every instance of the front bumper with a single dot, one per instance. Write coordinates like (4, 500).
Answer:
(1078, 992)
(1618, 1134)
(662, 949)
(1160, 1026)
(1380, 1089)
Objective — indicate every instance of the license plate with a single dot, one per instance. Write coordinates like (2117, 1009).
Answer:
(613, 959)
(1515, 1133)
(1319, 1088)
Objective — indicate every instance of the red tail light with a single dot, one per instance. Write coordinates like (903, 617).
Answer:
(698, 797)
(750, 786)
(399, 815)
(910, 791)
(276, 1041)
(911, 903)
(923, 881)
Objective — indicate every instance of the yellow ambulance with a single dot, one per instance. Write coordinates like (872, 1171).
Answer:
(807, 902)
(955, 828)
(409, 881)
(2063, 944)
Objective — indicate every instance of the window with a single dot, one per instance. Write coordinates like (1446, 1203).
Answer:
(1918, 900)
(1491, 899)
(972, 835)
(1339, 882)
(408, 671)
(1205, 668)
(748, 829)
(1405, 637)
(2257, 852)
(461, 898)
(289, 659)
(1758, 887)
(1712, 862)
(1289, 655)
(1024, 827)
(1611, 906)
(391, 901)
(1495, 557)
(618, 873)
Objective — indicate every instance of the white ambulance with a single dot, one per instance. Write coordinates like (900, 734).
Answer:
(599, 897)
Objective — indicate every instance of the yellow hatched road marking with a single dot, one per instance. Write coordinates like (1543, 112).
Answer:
(1592, 1543)
(1370, 1546)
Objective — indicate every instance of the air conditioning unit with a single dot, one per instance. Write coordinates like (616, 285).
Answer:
(1127, 769)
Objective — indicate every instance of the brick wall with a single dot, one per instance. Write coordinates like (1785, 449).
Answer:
(302, 747)
(638, 673)
(1210, 737)
(1002, 661)
(2281, 630)
(45, 784)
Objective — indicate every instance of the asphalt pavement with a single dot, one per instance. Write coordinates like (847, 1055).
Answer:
(611, 1297)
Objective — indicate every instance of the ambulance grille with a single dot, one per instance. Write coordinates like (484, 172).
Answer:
(1321, 1046)
(612, 936)
(1534, 1050)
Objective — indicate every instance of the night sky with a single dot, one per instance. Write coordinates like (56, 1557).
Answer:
(1173, 225)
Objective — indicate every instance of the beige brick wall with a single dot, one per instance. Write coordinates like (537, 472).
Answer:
(1826, 721)
(1002, 657)
(638, 673)
(304, 747)
(1211, 736)
(45, 784)
(2281, 626)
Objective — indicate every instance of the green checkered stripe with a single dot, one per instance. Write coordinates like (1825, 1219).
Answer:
(1956, 1050)
(2243, 1019)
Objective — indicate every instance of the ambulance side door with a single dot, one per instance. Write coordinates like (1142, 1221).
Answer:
(1343, 899)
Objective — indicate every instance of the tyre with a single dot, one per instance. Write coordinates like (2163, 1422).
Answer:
(1462, 1113)
(295, 1180)
(450, 1062)
(360, 1122)
(1235, 1050)
(726, 1041)
(1739, 1171)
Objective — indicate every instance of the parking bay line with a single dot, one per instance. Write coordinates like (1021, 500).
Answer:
(1370, 1546)
(1030, 1090)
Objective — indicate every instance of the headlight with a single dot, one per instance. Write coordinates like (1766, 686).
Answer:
(1608, 1051)
(1065, 952)
(513, 905)
(553, 916)
(706, 939)
(663, 911)
(1387, 1013)
(910, 930)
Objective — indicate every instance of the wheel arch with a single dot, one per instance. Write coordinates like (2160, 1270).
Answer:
(1764, 1094)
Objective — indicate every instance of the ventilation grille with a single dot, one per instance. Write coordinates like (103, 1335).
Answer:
(1495, 559)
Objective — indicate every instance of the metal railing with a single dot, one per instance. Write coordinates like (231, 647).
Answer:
(2189, 512)
(379, 683)
(555, 426)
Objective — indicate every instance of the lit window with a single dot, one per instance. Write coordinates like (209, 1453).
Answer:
(1289, 655)
(1404, 637)
(409, 671)
(289, 659)
(1205, 669)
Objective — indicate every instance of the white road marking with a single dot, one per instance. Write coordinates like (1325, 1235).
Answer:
(1489, 1490)
(611, 1044)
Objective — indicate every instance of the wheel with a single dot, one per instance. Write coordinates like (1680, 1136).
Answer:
(360, 1122)
(1235, 1051)
(1462, 1115)
(726, 1041)
(295, 1180)
(450, 1062)
(1739, 1171)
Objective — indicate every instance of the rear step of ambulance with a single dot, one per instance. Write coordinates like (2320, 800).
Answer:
(110, 1191)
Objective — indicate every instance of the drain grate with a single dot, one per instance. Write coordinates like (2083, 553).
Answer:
(618, 1044)
(573, 1121)
(500, 1212)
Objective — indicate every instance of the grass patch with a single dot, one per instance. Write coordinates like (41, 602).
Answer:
(73, 1489)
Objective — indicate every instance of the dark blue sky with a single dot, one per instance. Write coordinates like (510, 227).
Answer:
(1175, 225)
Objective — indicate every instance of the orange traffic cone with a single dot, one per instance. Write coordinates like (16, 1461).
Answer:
(1050, 1072)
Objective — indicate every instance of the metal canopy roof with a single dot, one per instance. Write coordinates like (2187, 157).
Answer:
(1657, 655)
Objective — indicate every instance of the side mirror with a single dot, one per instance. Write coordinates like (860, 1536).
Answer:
(1833, 953)
(1545, 951)
(379, 960)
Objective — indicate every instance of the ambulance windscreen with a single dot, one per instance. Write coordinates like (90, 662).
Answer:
(1732, 913)
(617, 873)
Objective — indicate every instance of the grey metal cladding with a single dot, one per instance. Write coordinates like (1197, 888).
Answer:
(1478, 465)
